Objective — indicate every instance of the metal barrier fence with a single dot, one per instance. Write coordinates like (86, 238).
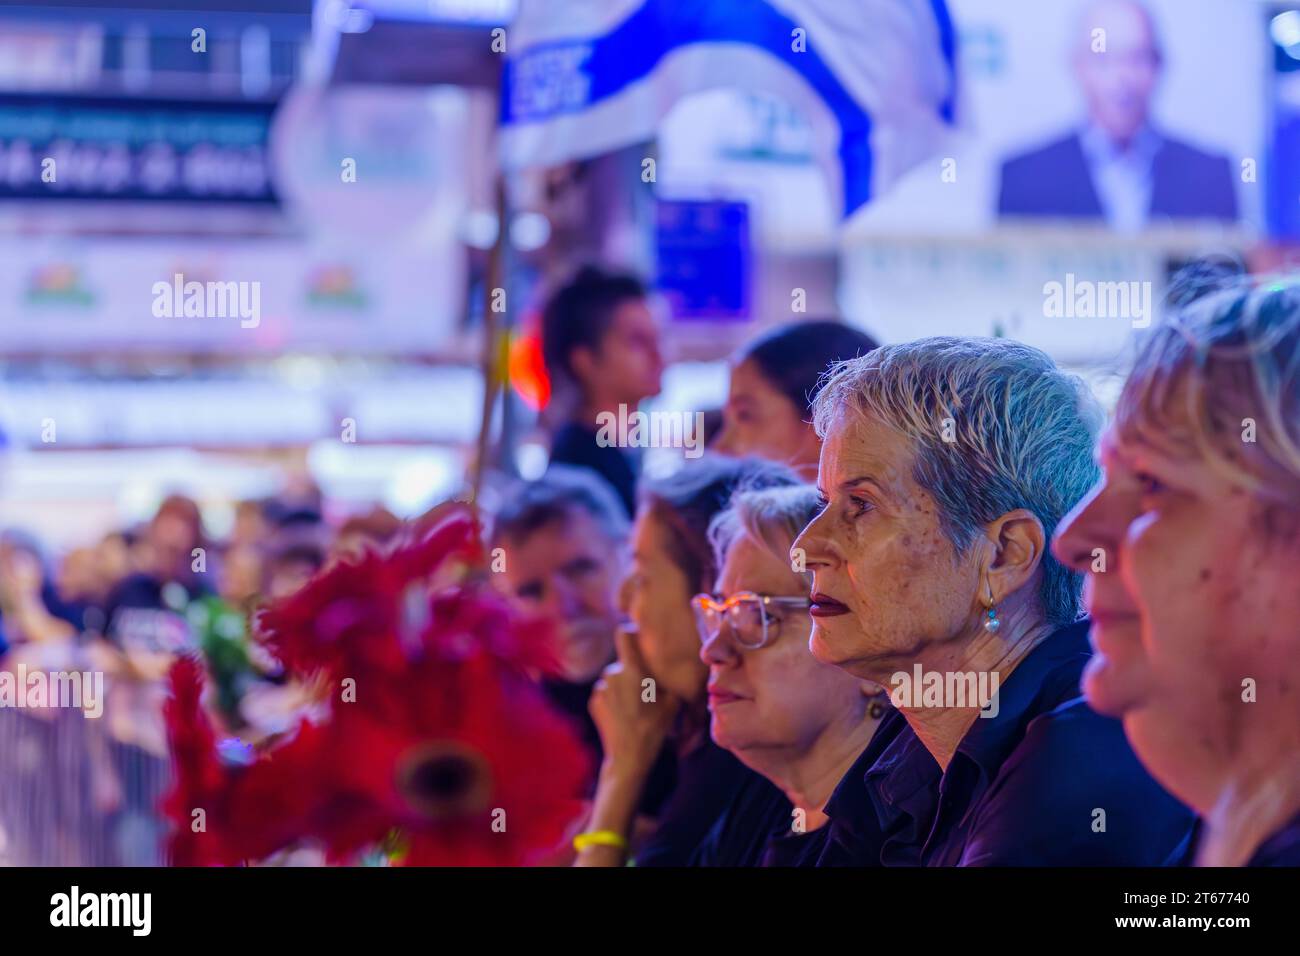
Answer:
(70, 795)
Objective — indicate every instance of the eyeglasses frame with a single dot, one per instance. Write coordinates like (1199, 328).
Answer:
(764, 601)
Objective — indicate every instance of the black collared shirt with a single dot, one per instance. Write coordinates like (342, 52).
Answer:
(1282, 848)
(759, 829)
(708, 780)
(1045, 782)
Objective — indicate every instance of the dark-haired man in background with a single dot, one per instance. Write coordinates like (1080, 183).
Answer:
(601, 344)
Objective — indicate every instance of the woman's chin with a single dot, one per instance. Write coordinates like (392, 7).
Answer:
(718, 733)
(841, 646)
(722, 735)
(822, 646)
(1108, 688)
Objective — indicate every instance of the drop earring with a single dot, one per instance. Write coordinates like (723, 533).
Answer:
(991, 622)
(876, 707)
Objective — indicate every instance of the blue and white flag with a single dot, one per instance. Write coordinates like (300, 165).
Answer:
(876, 79)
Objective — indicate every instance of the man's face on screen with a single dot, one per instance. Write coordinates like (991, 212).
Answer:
(1117, 63)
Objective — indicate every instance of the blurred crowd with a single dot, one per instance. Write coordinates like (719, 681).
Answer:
(128, 603)
(736, 642)
(125, 587)
(85, 791)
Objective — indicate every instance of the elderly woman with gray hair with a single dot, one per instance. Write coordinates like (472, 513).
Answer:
(1191, 544)
(946, 465)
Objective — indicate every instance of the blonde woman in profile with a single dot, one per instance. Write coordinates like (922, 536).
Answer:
(1196, 619)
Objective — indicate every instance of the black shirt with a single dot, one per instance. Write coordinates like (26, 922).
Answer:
(1281, 849)
(573, 699)
(709, 780)
(138, 614)
(758, 830)
(1045, 782)
(575, 445)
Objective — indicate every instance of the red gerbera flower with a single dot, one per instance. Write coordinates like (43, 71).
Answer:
(443, 734)
(198, 772)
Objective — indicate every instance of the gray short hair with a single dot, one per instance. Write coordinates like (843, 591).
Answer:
(557, 496)
(1020, 434)
(773, 517)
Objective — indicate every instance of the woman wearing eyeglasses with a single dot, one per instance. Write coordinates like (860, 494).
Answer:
(798, 722)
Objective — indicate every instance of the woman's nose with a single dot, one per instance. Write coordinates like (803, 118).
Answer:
(1081, 533)
(810, 550)
(717, 648)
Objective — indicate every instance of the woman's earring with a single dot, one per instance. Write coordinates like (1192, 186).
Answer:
(991, 622)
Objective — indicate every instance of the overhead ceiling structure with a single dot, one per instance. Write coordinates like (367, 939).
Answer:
(421, 42)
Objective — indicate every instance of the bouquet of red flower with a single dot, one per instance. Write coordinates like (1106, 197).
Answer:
(437, 745)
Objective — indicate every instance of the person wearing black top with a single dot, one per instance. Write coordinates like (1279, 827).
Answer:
(1023, 788)
(655, 692)
(600, 344)
(1196, 618)
(798, 722)
(755, 830)
(945, 465)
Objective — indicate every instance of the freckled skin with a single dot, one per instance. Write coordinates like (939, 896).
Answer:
(906, 587)
(1194, 600)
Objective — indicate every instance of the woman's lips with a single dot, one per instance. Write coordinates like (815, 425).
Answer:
(718, 697)
(823, 605)
(1111, 631)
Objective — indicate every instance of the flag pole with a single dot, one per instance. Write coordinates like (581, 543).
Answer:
(492, 361)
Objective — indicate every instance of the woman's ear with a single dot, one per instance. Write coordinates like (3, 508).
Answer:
(1019, 543)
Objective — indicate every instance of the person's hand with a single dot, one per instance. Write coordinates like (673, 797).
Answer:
(632, 721)
(102, 655)
(22, 576)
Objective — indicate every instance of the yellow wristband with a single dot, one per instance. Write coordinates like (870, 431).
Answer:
(599, 838)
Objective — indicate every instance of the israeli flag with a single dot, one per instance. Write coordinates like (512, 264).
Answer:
(876, 79)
